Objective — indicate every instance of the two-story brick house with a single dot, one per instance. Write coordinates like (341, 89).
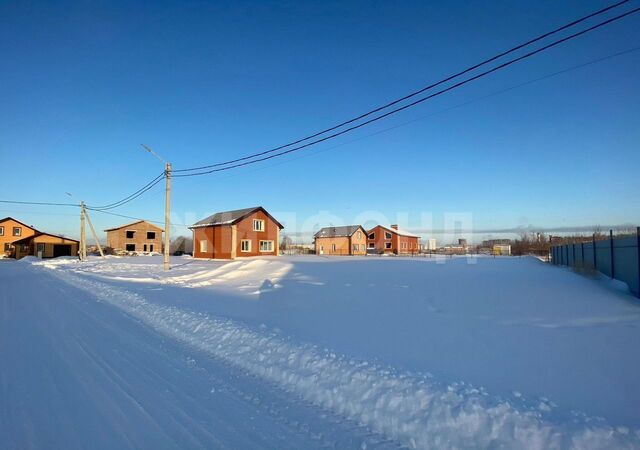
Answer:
(139, 236)
(381, 239)
(12, 230)
(345, 240)
(232, 234)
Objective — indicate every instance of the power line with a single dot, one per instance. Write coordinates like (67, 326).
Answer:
(133, 196)
(135, 218)
(15, 202)
(413, 94)
(416, 102)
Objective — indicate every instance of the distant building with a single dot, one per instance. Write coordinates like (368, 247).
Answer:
(12, 230)
(345, 240)
(491, 242)
(501, 249)
(139, 236)
(392, 240)
(432, 244)
(242, 232)
(462, 242)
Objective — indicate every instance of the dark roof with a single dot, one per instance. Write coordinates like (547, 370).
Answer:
(231, 217)
(16, 220)
(344, 231)
(40, 233)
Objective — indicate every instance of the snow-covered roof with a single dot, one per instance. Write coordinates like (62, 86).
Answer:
(399, 231)
(230, 217)
(344, 231)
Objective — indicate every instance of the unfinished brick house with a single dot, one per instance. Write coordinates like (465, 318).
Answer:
(140, 236)
(381, 239)
(232, 234)
(346, 240)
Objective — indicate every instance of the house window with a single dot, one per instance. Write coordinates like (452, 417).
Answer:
(372, 245)
(387, 245)
(144, 248)
(359, 234)
(333, 247)
(1, 231)
(130, 234)
(203, 246)
(130, 247)
(7, 247)
(245, 245)
(150, 247)
(404, 245)
(258, 225)
(355, 247)
(39, 248)
(387, 235)
(266, 246)
(151, 234)
(17, 231)
(372, 236)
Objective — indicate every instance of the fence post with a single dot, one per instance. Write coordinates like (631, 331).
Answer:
(595, 260)
(582, 253)
(573, 249)
(638, 249)
(567, 252)
(613, 267)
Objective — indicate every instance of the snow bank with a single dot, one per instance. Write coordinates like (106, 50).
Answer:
(412, 409)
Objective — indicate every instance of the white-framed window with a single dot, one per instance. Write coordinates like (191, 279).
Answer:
(387, 245)
(333, 247)
(245, 245)
(355, 247)
(203, 246)
(266, 246)
(372, 245)
(1, 231)
(17, 231)
(404, 245)
(372, 236)
(258, 225)
(387, 235)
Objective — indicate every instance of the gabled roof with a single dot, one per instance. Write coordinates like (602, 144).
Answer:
(399, 231)
(133, 223)
(344, 231)
(40, 233)
(16, 220)
(231, 217)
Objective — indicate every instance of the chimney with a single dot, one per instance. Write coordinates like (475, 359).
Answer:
(395, 227)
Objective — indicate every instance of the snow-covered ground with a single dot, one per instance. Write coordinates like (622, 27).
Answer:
(305, 352)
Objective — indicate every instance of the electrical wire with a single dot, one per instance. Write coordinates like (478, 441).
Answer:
(133, 196)
(411, 95)
(421, 100)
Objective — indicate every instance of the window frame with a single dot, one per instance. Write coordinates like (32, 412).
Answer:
(1, 230)
(272, 247)
(204, 246)
(130, 250)
(372, 245)
(153, 238)
(387, 246)
(126, 234)
(19, 231)
(334, 248)
(242, 250)
(388, 235)
(372, 236)
(261, 227)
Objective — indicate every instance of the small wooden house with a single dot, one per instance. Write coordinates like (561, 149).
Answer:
(345, 240)
(381, 239)
(139, 236)
(45, 245)
(232, 234)
(12, 230)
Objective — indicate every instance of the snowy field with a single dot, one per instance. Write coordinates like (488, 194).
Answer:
(314, 352)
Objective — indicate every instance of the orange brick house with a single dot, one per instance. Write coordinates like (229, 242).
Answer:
(232, 234)
(345, 240)
(46, 245)
(12, 230)
(381, 239)
(139, 236)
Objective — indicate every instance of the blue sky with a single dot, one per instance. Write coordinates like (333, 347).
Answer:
(83, 84)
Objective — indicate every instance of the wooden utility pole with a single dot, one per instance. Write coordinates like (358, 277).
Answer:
(93, 233)
(167, 215)
(83, 235)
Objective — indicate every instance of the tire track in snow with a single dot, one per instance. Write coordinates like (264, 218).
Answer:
(413, 410)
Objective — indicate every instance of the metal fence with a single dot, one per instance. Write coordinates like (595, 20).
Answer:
(616, 257)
